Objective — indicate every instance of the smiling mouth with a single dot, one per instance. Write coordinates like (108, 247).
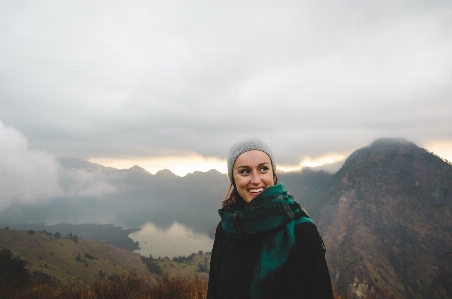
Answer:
(256, 191)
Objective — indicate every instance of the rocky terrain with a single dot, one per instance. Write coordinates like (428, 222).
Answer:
(387, 222)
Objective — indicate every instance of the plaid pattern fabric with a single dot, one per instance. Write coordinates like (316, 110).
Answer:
(273, 213)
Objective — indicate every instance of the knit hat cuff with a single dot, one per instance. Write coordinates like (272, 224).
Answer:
(246, 145)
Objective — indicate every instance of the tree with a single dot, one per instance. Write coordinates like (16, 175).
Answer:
(202, 268)
(12, 270)
(102, 274)
(89, 256)
(151, 265)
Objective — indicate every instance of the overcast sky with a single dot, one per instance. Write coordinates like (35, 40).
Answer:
(168, 84)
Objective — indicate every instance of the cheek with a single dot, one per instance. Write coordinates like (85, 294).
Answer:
(239, 182)
(270, 180)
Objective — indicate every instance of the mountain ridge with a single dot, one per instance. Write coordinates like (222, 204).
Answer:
(384, 216)
(387, 222)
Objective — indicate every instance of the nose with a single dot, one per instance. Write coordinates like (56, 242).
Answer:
(256, 179)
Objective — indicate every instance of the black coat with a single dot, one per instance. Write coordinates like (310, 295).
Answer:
(305, 274)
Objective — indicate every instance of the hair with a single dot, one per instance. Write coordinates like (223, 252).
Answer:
(233, 200)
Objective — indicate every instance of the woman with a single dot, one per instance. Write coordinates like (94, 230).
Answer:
(266, 246)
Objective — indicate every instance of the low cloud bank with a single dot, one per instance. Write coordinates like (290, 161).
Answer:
(30, 177)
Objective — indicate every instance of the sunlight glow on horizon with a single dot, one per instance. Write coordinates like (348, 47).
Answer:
(181, 166)
(441, 148)
(312, 162)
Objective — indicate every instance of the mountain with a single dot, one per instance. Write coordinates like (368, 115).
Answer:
(384, 216)
(387, 223)
(126, 197)
(131, 197)
(308, 187)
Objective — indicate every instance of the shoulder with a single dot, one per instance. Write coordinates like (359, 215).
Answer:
(306, 228)
(219, 232)
(308, 234)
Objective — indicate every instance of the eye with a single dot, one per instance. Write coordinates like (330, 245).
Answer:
(244, 171)
(264, 168)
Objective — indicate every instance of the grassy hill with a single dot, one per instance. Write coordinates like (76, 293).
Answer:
(82, 262)
(188, 268)
(57, 257)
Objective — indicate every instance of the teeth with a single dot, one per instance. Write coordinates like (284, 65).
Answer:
(256, 190)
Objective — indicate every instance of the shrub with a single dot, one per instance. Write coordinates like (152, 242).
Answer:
(151, 265)
(13, 274)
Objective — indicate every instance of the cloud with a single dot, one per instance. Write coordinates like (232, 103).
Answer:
(138, 80)
(30, 177)
(26, 176)
(82, 182)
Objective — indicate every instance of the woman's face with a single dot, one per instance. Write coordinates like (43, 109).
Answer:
(252, 173)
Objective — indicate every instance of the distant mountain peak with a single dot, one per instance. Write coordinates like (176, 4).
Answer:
(137, 168)
(72, 162)
(385, 141)
(381, 146)
(214, 171)
(165, 173)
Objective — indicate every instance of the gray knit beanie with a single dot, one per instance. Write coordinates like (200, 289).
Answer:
(245, 145)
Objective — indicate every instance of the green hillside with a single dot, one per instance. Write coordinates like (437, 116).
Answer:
(79, 261)
(195, 265)
(69, 261)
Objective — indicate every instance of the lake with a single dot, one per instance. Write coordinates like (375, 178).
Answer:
(176, 240)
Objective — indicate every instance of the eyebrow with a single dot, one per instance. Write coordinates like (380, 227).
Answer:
(246, 166)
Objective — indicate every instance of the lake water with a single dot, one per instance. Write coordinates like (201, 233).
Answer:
(177, 240)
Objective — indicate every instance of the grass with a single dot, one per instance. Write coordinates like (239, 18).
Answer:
(133, 285)
(185, 269)
(57, 257)
(129, 286)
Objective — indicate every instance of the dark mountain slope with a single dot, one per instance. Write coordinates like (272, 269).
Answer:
(387, 224)
(309, 188)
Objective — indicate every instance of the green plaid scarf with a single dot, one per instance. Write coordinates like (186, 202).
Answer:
(273, 213)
